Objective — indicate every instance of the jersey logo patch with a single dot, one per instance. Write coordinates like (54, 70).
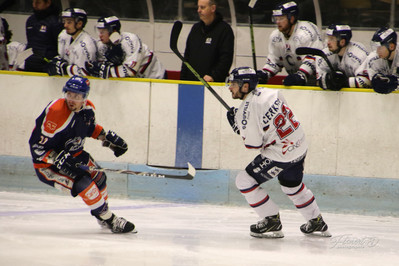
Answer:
(43, 28)
(50, 126)
(208, 40)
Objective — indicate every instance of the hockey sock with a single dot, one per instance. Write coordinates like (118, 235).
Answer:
(256, 196)
(303, 200)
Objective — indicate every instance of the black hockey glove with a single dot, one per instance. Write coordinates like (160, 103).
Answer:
(299, 79)
(115, 143)
(334, 81)
(384, 84)
(97, 69)
(115, 54)
(232, 121)
(263, 76)
(57, 66)
(67, 164)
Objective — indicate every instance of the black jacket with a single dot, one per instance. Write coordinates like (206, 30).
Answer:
(209, 50)
(42, 29)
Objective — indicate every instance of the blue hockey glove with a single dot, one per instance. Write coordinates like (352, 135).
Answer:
(115, 143)
(115, 54)
(299, 79)
(384, 84)
(232, 121)
(66, 163)
(57, 66)
(98, 69)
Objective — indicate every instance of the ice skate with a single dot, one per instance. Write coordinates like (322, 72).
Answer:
(120, 225)
(269, 227)
(103, 224)
(316, 226)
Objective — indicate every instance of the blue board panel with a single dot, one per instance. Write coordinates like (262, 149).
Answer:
(190, 125)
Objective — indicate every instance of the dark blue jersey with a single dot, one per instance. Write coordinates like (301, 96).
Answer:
(58, 128)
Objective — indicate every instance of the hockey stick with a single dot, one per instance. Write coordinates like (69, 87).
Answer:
(174, 36)
(189, 176)
(314, 51)
(251, 28)
(23, 56)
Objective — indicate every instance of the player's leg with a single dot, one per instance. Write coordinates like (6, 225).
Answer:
(248, 182)
(303, 199)
(98, 180)
(89, 192)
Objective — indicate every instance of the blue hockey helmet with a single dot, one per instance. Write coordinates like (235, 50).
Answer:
(288, 9)
(243, 75)
(79, 85)
(111, 23)
(383, 37)
(340, 32)
(77, 13)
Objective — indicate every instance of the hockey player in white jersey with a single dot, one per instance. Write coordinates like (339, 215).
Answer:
(346, 56)
(289, 35)
(123, 54)
(265, 122)
(75, 46)
(382, 64)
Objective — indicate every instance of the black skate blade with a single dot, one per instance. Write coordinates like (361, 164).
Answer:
(274, 234)
(319, 234)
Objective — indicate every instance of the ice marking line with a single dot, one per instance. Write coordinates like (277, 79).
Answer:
(19, 213)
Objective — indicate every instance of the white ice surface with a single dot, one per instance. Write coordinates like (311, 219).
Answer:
(47, 229)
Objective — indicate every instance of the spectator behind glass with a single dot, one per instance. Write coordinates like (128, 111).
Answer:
(209, 46)
(42, 29)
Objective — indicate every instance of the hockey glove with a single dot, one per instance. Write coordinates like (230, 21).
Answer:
(299, 78)
(115, 54)
(67, 164)
(98, 69)
(384, 84)
(115, 143)
(57, 66)
(232, 121)
(263, 76)
(335, 81)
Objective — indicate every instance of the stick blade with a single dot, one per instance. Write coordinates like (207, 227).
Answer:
(191, 170)
(252, 3)
(309, 51)
(174, 36)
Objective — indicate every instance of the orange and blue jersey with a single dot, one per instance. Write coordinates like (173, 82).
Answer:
(58, 128)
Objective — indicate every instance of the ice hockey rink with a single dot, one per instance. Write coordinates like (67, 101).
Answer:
(50, 229)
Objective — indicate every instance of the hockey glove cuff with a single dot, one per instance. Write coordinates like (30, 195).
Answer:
(263, 76)
(57, 66)
(67, 164)
(232, 121)
(299, 78)
(97, 69)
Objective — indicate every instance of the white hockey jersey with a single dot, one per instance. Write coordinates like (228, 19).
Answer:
(13, 50)
(282, 51)
(3, 48)
(373, 65)
(355, 54)
(266, 122)
(139, 61)
(77, 52)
